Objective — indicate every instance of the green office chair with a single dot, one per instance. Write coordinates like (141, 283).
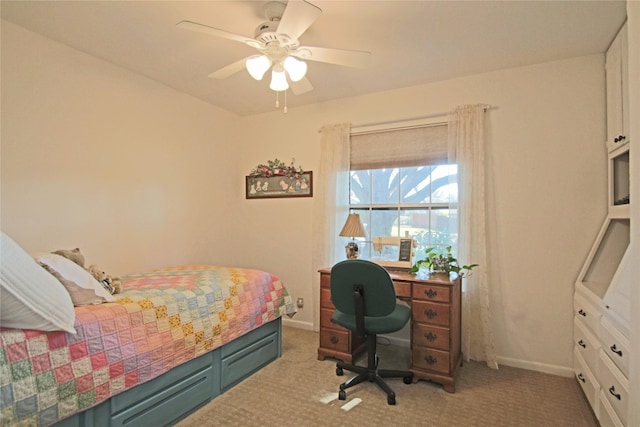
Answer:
(365, 302)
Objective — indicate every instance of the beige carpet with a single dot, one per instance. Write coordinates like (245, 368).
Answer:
(289, 392)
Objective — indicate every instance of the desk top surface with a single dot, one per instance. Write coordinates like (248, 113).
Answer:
(403, 275)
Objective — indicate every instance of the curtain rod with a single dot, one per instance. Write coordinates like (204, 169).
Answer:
(407, 123)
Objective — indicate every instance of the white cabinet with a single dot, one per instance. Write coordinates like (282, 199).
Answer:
(617, 91)
(601, 301)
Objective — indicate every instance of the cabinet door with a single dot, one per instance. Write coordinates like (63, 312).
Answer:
(617, 100)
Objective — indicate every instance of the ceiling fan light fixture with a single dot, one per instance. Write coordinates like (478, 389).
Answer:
(257, 65)
(296, 68)
(278, 79)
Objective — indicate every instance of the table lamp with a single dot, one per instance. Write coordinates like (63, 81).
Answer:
(352, 228)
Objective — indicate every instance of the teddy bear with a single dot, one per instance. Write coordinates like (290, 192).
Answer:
(113, 285)
(73, 254)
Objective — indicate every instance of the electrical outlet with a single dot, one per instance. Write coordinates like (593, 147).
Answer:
(300, 302)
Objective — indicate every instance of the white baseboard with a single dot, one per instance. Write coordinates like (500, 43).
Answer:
(297, 324)
(562, 371)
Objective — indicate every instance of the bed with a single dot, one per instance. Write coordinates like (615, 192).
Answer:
(172, 341)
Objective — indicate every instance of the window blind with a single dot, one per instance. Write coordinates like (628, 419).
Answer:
(410, 147)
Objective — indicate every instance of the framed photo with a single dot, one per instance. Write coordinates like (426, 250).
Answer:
(259, 187)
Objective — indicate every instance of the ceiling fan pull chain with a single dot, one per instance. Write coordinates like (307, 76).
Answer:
(277, 100)
(285, 102)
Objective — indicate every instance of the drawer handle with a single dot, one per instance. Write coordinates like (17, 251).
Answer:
(334, 339)
(615, 350)
(582, 344)
(582, 313)
(431, 337)
(581, 377)
(430, 313)
(431, 360)
(431, 293)
(612, 390)
(619, 138)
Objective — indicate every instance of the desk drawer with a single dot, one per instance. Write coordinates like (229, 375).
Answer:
(325, 299)
(430, 292)
(431, 336)
(430, 312)
(325, 320)
(335, 340)
(430, 360)
(403, 289)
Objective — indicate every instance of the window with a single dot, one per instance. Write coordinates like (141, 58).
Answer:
(403, 202)
(400, 193)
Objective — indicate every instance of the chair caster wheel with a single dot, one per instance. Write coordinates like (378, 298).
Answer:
(391, 400)
(339, 372)
(407, 380)
(342, 395)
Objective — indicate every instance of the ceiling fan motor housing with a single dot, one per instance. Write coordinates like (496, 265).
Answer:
(267, 32)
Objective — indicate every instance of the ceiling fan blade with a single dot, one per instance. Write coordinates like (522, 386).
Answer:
(194, 26)
(301, 86)
(349, 58)
(230, 69)
(297, 18)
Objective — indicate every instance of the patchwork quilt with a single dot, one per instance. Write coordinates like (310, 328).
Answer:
(162, 319)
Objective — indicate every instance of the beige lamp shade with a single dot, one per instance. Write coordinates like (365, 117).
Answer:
(353, 227)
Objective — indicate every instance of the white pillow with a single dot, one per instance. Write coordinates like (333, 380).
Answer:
(31, 298)
(82, 286)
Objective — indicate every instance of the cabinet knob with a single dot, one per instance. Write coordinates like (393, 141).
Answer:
(620, 138)
(581, 377)
(582, 344)
(612, 390)
(334, 339)
(615, 350)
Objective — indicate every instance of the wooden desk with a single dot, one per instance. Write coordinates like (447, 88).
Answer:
(435, 327)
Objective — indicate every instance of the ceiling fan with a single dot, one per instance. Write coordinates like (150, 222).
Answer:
(277, 41)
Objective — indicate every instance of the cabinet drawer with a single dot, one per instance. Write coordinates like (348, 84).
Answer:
(586, 311)
(335, 340)
(431, 293)
(586, 379)
(325, 299)
(325, 320)
(614, 385)
(586, 343)
(430, 360)
(430, 312)
(607, 416)
(431, 336)
(615, 345)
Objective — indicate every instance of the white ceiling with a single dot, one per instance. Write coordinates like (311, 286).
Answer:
(411, 42)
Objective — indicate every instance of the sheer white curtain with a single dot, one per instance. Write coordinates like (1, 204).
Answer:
(466, 148)
(330, 203)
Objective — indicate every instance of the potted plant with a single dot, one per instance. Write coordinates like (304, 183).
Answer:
(442, 262)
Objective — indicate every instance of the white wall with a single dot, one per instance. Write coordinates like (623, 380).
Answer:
(141, 176)
(97, 157)
(547, 163)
